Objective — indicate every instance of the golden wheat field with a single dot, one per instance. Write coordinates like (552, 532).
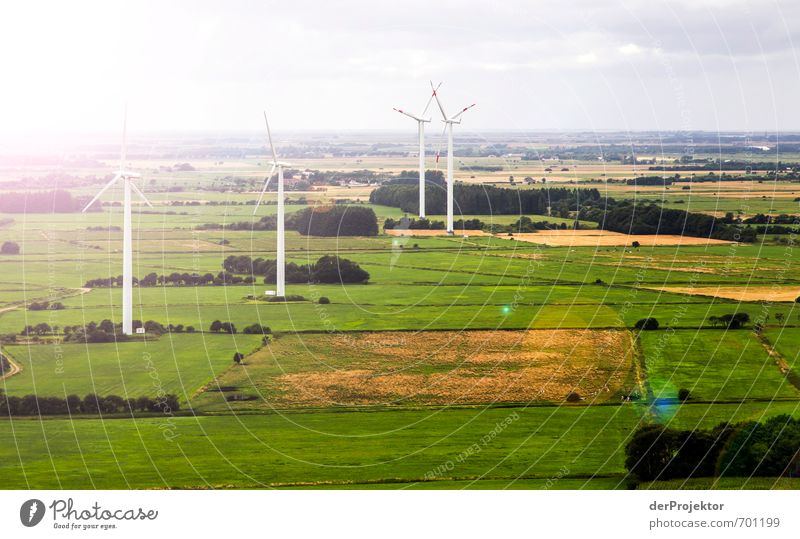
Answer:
(468, 367)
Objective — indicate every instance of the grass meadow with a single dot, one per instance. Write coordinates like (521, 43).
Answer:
(450, 369)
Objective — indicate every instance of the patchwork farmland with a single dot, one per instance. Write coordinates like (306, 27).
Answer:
(525, 343)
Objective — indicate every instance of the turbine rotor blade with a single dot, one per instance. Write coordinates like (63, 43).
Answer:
(138, 192)
(428, 104)
(100, 193)
(269, 136)
(123, 153)
(264, 189)
(435, 95)
(407, 114)
(465, 109)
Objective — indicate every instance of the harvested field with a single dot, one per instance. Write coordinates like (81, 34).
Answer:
(472, 367)
(738, 293)
(606, 238)
(433, 233)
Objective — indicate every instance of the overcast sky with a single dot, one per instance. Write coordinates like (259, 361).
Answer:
(343, 65)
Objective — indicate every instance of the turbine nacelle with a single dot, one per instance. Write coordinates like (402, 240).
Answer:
(122, 175)
(445, 117)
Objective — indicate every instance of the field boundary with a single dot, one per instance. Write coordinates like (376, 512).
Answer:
(791, 376)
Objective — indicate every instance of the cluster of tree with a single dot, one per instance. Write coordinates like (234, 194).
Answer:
(45, 305)
(40, 329)
(55, 201)
(762, 219)
(646, 324)
(10, 248)
(726, 164)
(105, 331)
(483, 168)
(328, 269)
(768, 449)
(406, 223)
(175, 279)
(772, 224)
(480, 199)
(730, 321)
(526, 224)
(629, 217)
(334, 220)
(224, 327)
(32, 405)
(650, 180)
(257, 329)
(774, 229)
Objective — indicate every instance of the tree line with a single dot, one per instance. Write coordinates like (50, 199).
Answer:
(173, 279)
(406, 223)
(750, 448)
(55, 201)
(91, 404)
(328, 269)
(478, 199)
(333, 220)
(629, 217)
(104, 331)
(45, 306)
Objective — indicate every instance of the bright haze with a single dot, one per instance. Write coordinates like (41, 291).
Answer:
(688, 65)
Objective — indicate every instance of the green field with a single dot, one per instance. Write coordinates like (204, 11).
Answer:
(270, 450)
(451, 368)
(715, 365)
(176, 363)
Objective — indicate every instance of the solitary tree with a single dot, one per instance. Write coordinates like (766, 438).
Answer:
(216, 325)
(10, 248)
(238, 357)
(646, 323)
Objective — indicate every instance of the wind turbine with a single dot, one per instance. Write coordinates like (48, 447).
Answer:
(449, 121)
(421, 121)
(281, 262)
(127, 178)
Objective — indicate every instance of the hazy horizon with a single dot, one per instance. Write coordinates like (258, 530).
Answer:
(628, 65)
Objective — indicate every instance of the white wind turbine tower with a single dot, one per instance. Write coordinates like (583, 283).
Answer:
(449, 121)
(127, 178)
(280, 285)
(421, 121)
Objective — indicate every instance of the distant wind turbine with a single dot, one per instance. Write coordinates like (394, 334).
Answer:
(449, 121)
(421, 121)
(281, 262)
(127, 178)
